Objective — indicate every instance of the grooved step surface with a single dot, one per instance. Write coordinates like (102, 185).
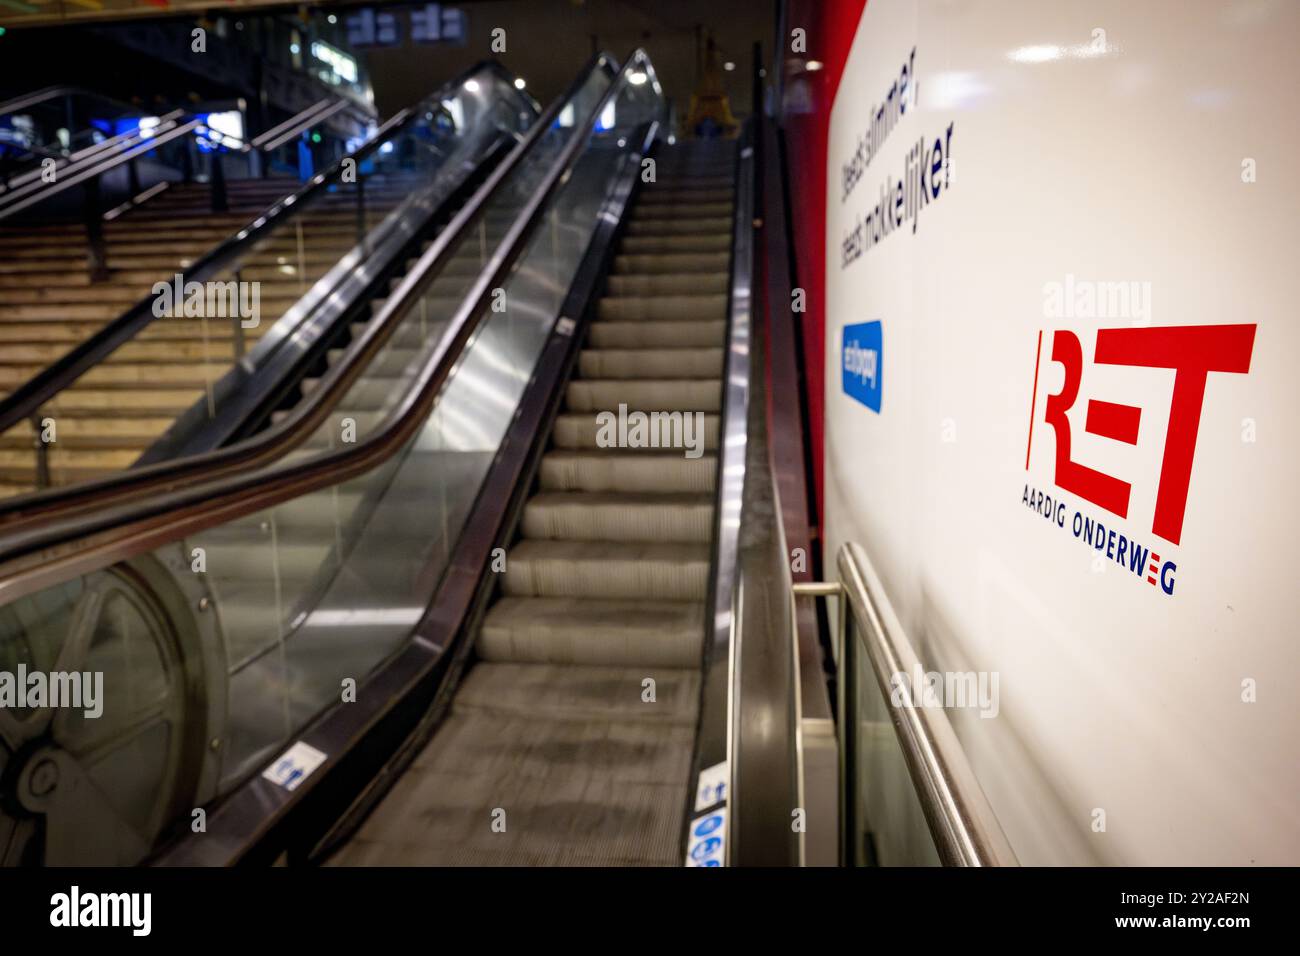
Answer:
(601, 607)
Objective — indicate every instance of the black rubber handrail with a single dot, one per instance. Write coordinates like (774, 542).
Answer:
(46, 555)
(26, 101)
(45, 508)
(28, 399)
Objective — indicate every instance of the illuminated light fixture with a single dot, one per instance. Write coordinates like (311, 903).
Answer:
(812, 66)
(344, 66)
(729, 66)
(637, 78)
(295, 49)
(471, 85)
(332, 19)
(1042, 53)
(607, 117)
(519, 83)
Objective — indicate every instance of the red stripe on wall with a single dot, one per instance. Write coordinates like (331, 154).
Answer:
(829, 27)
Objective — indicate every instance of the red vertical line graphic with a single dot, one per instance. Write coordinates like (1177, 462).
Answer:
(1033, 398)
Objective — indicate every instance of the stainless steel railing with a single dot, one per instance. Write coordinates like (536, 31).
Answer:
(961, 822)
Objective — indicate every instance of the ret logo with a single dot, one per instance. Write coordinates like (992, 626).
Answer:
(1192, 352)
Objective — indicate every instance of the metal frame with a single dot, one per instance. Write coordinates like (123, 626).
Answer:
(962, 823)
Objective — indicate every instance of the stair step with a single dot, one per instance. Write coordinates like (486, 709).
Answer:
(658, 263)
(663, 308)
(646, 395)
(603, 569)
(651, 363)
(594, 632)
(681, 211)
(714, 225)
(650, 334)
(551, 692)
(689, 284)
(677, 431)
(618, 516)
(632, 472)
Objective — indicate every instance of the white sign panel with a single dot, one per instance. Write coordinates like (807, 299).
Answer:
(1062, 300)
(294, 766)
(711, 786)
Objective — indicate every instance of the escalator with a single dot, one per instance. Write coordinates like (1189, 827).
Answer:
(605, 589)
(432, 609)
(113, 382)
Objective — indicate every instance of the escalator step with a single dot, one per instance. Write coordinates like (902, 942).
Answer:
(663, 308)
(638, 471)
(644, 364)
(686, 395)
(594, 631)
(679, 432)
(604, 569)
(557, 692)
(613, 516)
(650, 334)
(577, 793)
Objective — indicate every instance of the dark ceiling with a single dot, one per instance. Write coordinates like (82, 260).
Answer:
(547, 41)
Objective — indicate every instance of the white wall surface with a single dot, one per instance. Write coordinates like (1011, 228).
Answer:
(1107, 158)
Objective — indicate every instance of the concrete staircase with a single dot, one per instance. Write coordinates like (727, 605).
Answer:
(48, 304)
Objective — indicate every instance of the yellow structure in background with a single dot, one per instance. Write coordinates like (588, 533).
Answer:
(710, 114)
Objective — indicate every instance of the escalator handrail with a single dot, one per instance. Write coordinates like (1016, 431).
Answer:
(45, 508)
(43, 555)
(718, 734)
(296, 124)
(133, 147)
(79, 159)
(36, 97)
(27, 100)
(27, 400)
